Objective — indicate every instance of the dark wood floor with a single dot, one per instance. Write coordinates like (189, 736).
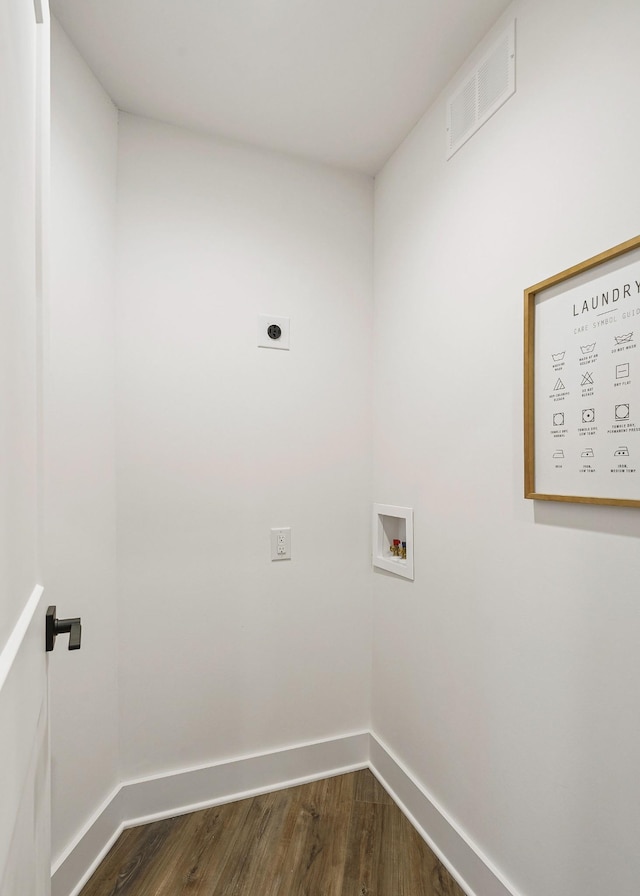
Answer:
(339, 837)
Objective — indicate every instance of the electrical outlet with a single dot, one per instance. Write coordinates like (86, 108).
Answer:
(281, 544)
(273, 331)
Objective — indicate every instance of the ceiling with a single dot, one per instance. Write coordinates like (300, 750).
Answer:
(338, 81)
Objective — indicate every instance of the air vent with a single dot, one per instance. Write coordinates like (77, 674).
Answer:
(482, 91)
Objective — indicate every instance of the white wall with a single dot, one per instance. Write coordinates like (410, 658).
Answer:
(506, 676)
(223, 652)
(79, 509)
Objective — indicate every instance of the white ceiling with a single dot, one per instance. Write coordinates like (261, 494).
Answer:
(340, 81)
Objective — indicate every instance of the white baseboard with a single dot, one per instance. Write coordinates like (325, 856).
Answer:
(463, 859)
(176, 793)
(76, 865)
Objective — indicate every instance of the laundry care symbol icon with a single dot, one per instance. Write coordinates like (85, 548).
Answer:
(558, 419)
(622, 371)
(587, 379)
(588, 415)
(622, 412)
(559, 385)
(626, 337)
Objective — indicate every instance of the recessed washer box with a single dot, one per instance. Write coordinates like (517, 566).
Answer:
(273, 332)
(391, 523)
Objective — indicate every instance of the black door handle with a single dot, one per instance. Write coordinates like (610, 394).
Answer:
(54, 627)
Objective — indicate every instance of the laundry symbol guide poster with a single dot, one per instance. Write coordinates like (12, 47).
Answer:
(582, 381)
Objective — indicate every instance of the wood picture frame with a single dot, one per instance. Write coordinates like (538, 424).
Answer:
(582, 382)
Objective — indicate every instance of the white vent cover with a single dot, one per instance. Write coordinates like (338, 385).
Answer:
(483, 91)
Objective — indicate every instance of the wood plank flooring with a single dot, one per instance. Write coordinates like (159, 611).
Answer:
(342, 836)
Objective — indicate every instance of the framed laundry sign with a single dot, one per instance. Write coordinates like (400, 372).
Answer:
(582, 382)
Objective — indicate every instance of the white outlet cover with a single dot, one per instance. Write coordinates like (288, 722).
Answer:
(281, 543)
(264, 340)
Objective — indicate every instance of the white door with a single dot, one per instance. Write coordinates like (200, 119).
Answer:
(25, 866)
